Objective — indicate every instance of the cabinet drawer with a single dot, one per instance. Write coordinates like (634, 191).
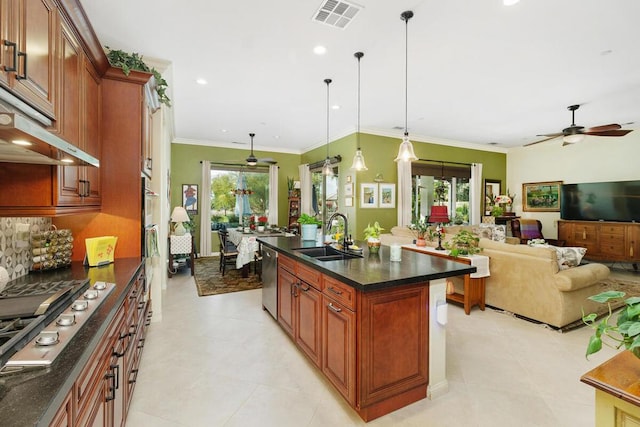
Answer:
(309, 275)
(585, 232)
(613, 229)
(287, 263)
(339, 291)
(614, 247)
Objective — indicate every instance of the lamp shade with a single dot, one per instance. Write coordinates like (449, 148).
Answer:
(179, 214)
(439, 214)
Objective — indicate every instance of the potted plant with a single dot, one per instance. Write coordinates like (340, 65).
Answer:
(421, 229)
(496, 210)
(372, 235)
(308, 226)
(262, 222)
(625, 332)
(463, 243)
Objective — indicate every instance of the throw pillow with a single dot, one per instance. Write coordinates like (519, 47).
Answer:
(497, 233)
(529, 229)
(569, 256)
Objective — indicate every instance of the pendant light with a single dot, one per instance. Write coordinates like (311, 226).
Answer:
(405, 153)
(252, 160)
(327, 169)
(358, 159)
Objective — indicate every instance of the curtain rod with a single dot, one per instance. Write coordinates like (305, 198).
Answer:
(239, 165)
(333, 160)
(443, 162)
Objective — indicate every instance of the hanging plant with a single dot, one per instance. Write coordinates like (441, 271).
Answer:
(133, 61)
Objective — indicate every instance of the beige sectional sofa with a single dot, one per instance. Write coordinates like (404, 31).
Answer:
(528, 281)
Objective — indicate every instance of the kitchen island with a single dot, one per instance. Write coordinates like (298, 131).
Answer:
(367, 323)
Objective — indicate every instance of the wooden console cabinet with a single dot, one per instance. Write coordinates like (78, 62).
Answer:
(372, 346)
(605, 241)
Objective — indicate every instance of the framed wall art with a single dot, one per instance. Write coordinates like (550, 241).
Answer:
(348, 201)
(541, 196)
(387, 195)
(190, 198)
(369, 195)
(348, 189)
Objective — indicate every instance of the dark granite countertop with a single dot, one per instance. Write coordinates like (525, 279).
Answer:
(372, 271)
(33, 398)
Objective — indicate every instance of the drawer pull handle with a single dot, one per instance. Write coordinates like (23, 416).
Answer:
(304, 287)
(12, 46)
(22, 76)
(334, 308)
(335, 291)
(584, 234)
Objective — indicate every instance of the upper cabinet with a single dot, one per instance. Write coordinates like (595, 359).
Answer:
(29, 31)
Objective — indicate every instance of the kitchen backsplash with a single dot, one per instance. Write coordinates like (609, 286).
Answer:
(15, 253)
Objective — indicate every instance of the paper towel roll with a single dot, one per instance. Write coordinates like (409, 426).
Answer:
(4, 278)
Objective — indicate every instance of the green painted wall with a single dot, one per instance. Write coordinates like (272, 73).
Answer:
(186, 169)
(379, 153)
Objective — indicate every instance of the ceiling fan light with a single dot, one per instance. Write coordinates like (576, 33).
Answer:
(405, 153)
(358, 162)
(572, 139)
(252, 160)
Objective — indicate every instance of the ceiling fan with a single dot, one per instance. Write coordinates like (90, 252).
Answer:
(252, 160)
(574, 133)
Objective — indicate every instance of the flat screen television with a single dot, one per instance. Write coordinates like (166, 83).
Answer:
(601, 201)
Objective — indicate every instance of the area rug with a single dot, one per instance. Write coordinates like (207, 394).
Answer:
(630, 288)
(209, 280)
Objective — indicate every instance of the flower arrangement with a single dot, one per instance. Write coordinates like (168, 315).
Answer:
(262, 220)
(503, 199)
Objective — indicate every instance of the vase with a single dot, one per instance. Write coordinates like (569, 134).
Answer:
(420, 241)
(309, 231)
(261, 229)
(374, 247)
(507, 208)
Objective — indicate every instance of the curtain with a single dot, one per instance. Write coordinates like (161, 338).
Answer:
(305, 189)
(475, 194)
(404, 194)
(273, 194)
(205, 209)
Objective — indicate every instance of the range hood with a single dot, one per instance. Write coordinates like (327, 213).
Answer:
(22, 140)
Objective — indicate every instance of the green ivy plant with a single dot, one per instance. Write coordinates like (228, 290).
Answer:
(373, 231)
(308, 219)
(133, 61)
(625, 332)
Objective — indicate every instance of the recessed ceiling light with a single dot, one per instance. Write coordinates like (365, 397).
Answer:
(21, 142)
(276, 136)
(510, 2)
(335, 107)
(319, 50)
(201, 81)
(224, 130)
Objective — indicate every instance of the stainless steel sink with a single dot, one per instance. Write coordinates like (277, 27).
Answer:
(326, 253)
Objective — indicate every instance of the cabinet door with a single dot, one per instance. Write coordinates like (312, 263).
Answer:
(6, 50)
(287, 287)
(147, 139)
(565, 232)
(64, 416)
(338, 347)
(308, 321)
(37, 31)
(90, 133)
(633, 249)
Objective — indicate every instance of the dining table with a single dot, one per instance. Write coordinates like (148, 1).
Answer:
(248, 245)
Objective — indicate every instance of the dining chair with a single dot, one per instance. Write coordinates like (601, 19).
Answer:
(228, 251)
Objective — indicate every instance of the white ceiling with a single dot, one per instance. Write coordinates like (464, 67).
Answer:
(479, 72)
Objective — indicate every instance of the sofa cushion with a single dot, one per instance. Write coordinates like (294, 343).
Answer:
(497, 233)
(529, 229)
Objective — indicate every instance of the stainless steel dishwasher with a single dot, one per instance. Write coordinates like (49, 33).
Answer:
(270, 281)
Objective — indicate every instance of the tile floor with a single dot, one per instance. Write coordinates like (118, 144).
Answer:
(223, 361)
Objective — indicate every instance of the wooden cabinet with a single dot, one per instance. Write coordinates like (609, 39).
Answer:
(294, 213)
(605, 241)
(78, 122)
(64, 416)
(299, 306)
(29, 62)
(339, 345)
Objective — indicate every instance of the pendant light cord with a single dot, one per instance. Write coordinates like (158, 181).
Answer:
(405, 16)
(358, 55)
(327, 81)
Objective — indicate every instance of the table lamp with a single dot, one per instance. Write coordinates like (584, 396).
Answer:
(439, 215)
(179, 215)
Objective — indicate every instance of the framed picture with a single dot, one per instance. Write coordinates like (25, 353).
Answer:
(387, 195)
(541, 196)
(348, 190)
(369, 195)
(348, 201)
(491, 190)
(190, 198)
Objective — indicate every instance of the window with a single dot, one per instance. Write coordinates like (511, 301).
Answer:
(238, 192)
(440, 184)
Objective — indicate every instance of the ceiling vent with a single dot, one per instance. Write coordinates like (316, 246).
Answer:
(336, 13)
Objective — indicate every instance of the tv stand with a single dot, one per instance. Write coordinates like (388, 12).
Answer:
(604, 240)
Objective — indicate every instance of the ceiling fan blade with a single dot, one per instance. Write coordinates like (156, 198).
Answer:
(542, 140)
(552, 135)
(612, 126)
(268, 160)
(621, 132)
